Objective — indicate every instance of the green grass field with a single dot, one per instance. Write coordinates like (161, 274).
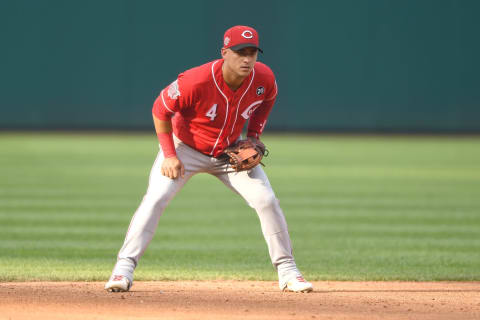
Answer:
(358, 208)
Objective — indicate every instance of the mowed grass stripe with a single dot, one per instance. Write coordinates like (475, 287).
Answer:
(362, 241)
(331, 187)
(419, 219)
(337, 235)
(386, 223)
(306, 212)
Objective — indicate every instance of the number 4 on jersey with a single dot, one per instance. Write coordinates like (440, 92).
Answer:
(212, 112)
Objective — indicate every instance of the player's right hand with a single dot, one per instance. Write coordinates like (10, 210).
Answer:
(173, 168)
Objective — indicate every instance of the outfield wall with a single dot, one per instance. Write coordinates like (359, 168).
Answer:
(377, 65)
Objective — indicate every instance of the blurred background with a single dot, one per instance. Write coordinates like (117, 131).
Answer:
(343, 65)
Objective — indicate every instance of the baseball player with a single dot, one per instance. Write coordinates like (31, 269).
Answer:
(196, 118)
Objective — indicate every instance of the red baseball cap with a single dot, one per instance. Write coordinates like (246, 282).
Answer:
(239, 37)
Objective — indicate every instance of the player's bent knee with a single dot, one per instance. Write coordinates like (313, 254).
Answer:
(265, 201)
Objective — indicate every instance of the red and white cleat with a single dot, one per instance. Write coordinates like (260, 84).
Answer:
(118, 283)
(297, 284)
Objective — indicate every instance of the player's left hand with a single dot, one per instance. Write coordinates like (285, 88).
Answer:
(258, 144)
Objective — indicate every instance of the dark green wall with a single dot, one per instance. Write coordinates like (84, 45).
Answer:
(340, 64)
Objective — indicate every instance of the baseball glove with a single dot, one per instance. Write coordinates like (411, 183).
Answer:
(246, 154)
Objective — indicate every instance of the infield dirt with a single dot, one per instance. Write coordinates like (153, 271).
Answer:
(240, 300)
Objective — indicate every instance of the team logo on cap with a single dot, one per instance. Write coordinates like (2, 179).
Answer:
(247, 34)
(226, 41)
(260, 91)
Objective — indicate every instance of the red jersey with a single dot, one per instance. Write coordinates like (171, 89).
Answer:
(207, 114)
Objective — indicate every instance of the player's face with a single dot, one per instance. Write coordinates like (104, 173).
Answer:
(240, 62)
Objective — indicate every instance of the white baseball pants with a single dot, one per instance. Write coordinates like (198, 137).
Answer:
(252, 185)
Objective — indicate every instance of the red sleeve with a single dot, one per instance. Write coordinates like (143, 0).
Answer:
(160, 109)
(174, 98)
(258, 120)
(167, 144)
(273, 92)
(177, 96)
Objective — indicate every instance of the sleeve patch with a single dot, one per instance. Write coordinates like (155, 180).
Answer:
(173, 90)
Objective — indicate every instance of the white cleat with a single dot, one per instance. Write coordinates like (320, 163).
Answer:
(118, 283)
(298, 284)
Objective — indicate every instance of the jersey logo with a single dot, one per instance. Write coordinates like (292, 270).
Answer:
(251, 108)
(260, 91)
(247, 34)
(173, 91)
